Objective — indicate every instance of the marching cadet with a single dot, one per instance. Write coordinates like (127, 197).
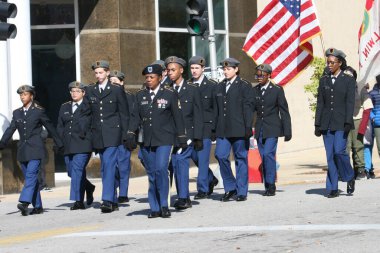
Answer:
(206, 181)
(159, 114)
(28, 121)
(73, 127)
(191, 109)
(124, 155)
(109, 126)
(234, 97)
(273, 121)
(334, 120)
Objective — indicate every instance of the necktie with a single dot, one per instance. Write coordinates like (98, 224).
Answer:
(262, 91)
(100, 90)
(176, 87)
(333, 79)
(228, 86)
(75, 106)
(152, 95)
(25, 111)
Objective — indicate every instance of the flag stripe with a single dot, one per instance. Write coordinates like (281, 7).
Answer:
(280, 37)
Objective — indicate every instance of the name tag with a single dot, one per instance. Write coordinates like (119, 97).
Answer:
(219, 95)
(144, 102)
(66, 113)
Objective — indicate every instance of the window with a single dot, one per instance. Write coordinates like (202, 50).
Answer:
(174, 39)
(54, 55)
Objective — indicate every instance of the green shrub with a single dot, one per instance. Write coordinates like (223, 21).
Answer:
(319, 65)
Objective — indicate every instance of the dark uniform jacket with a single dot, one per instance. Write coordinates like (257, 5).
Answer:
(335, 102)
(235, 113)
(161, 118)
(191, 109)
(110, 117)
(207, 89)
(166, 82)
(31, 145)
(273, 117)
(75, 128)
(132, 110)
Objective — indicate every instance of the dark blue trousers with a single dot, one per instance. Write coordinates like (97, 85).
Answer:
(267, 150)
(31, 191)
(76, 169)
(338, 160)
(108, 158)
(124, 169)
(181, 166)
(222, 154)
(202, 161)
(156, 160)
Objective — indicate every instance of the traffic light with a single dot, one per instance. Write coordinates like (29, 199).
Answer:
(198, 23)
(7, 10)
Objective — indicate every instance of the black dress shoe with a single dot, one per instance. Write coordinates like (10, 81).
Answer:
(212, 184)
(23, 207)
(115, 207)
(228, 195)
(351, 186)
(106, 207)
(270, 190)
(122, 199)
(78, 205)
(241, 198)
(38, 210)
(333, 194)
(90, 194)
(154, 215)
(183, 203)
(165, 212)
(201, 195)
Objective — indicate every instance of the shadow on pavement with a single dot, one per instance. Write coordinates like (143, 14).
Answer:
(317, 191)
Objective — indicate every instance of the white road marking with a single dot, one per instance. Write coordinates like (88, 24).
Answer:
(323, 227)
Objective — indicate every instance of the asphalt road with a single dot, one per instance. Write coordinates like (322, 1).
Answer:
(298, 219)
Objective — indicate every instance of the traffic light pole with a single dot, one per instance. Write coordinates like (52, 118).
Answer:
(211, 40)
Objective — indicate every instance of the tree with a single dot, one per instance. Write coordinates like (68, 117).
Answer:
(319, 65)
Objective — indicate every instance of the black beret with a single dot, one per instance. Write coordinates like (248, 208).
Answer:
(152, 69)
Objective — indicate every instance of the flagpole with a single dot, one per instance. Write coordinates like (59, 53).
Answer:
(320, 36)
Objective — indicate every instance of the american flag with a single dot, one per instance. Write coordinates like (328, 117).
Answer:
(281, 37)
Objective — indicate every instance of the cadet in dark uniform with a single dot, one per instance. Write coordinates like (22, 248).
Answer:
(124, 155)
(206, 179)
(334, 120)
(28, 121)
(163, 127)
(273, 121)
(166, 82)
(109, 126)
(191, 109)
(234, 97)
(74, 128)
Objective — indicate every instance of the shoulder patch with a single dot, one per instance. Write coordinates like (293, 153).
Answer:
(68, 102)
(213, 81)
(39, 107)
(348, 73)
(193, 85)
(189, 81)
(168, 88)
(245, 80)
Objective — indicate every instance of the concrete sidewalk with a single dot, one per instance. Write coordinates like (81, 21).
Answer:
(305, 166)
